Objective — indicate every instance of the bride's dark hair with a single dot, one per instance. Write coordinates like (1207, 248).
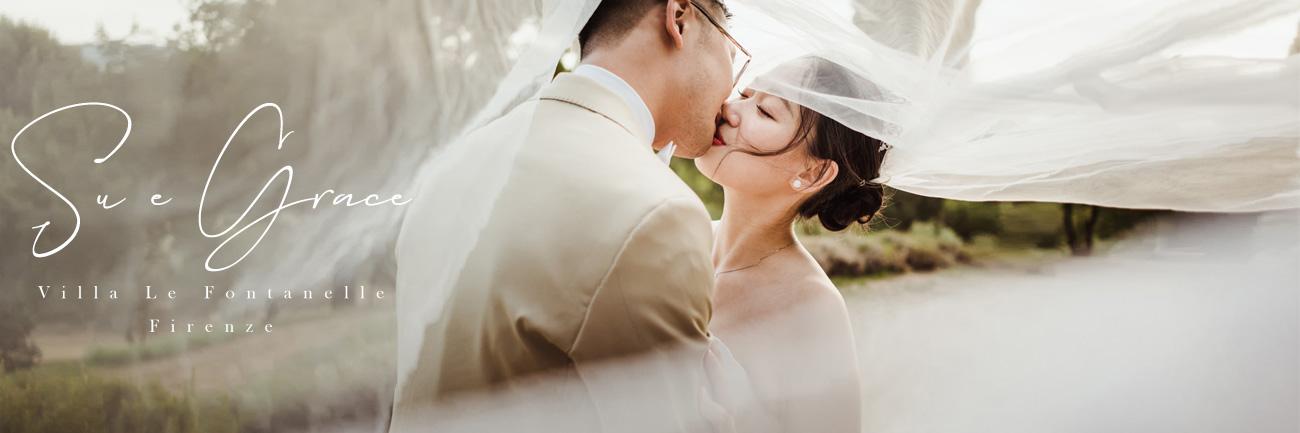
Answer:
(851, 197)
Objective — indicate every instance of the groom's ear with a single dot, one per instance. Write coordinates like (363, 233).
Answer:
(676, 13)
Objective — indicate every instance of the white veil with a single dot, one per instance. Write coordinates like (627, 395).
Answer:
(1123, 120)
(461, 181)
(1119, 122)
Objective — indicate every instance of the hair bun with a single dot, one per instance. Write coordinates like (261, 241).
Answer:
(849, 205)
(851, 197)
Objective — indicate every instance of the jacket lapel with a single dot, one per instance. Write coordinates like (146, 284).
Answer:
(591, 96)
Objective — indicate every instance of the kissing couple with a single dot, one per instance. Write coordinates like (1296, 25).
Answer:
(596, 256)
(555, 274)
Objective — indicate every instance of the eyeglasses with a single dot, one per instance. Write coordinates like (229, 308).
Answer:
(716, 24)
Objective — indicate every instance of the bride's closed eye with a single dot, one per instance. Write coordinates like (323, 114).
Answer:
(749, 93)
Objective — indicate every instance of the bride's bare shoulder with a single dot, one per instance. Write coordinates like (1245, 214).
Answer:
(813, 283)
(815, 292)
(820, 317)
(822, 295)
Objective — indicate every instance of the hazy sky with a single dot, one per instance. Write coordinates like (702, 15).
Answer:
(75, 21)
(1270, 39)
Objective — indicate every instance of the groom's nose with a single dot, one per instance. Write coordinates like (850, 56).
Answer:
(728, 115)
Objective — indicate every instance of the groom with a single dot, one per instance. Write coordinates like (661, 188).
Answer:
(596, 254)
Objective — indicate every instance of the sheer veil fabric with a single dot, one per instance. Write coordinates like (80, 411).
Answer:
(1123, 120)
(462, 180)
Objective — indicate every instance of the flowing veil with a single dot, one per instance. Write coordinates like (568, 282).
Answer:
(1123, 120)
(462, 180)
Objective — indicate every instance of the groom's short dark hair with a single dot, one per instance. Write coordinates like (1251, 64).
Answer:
(614, 18)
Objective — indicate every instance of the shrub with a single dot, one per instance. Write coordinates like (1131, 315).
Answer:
(926, 247)
(881, 258)
(926, 260)
(837, 256)
(42, 401)
(152, 349)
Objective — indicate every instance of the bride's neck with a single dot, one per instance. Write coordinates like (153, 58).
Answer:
(751, 228)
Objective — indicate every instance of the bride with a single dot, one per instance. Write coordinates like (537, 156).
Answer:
(774, 307)
(778, 160)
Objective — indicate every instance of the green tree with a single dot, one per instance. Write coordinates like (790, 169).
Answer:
(1079, 236)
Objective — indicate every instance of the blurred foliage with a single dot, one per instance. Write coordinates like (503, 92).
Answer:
(903, 208)
(157, 348)
(709, 192)
(1014, 225)
(43, 401)
(17, 351)
(923, 247)
(214, 25)
(968, 219)
(1030, 224)
(1295, 46)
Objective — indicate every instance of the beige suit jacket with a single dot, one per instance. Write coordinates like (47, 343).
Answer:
(595, 251)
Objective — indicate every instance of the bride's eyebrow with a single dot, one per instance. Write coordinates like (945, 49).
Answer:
(789, 106)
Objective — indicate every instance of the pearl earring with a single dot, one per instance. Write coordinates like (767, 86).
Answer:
(797, 184)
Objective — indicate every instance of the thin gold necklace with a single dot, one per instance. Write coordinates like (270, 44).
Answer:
(760, 261)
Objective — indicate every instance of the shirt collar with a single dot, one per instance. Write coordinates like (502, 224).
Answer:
(640, 111)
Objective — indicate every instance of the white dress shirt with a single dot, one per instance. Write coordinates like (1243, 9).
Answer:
(640, 111)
